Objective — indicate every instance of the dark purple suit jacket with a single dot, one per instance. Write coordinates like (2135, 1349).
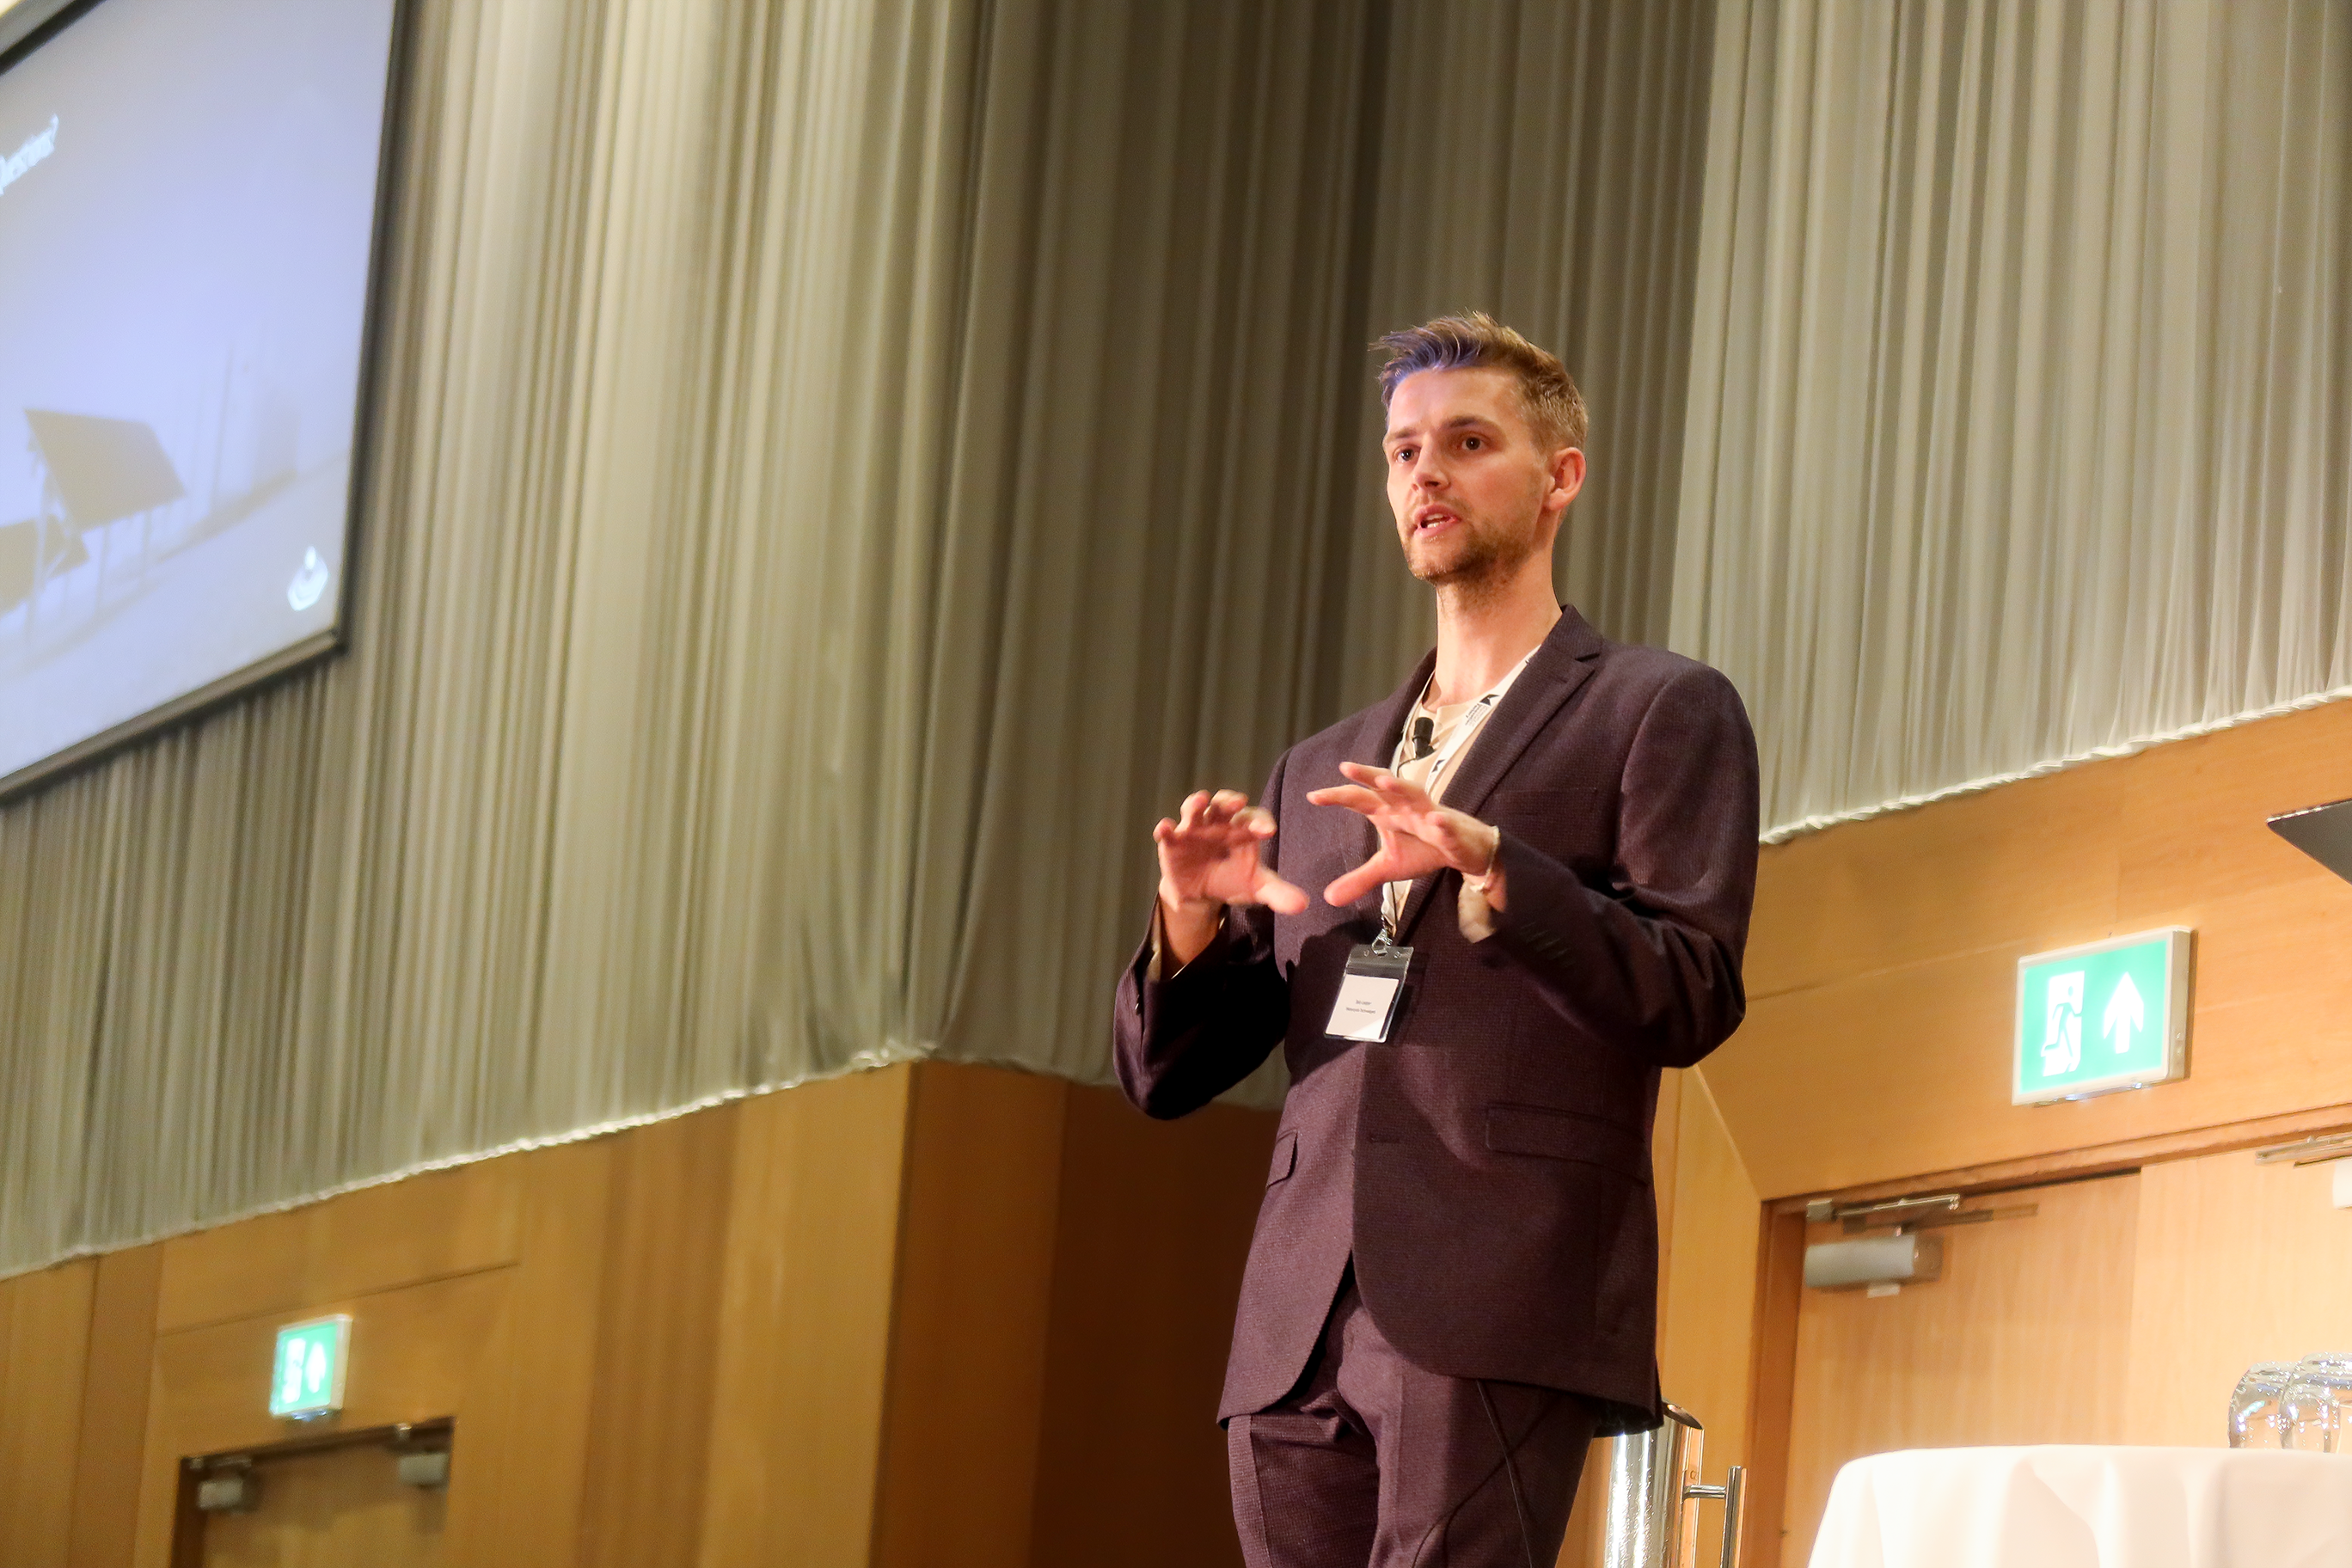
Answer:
(1488, 1168)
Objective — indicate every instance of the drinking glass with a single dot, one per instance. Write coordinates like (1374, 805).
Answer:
(2254, 1408)
(2307, 1412)
(2316, 1406)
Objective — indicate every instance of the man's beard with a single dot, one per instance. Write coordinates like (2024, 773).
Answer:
(1485, 559)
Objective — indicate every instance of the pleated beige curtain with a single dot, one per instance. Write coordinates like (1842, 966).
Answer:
(844, 468)
(2021, 416)
(1543, 161)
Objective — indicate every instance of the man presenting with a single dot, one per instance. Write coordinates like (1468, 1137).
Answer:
(1532, 869)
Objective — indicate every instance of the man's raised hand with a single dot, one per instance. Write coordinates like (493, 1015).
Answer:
(1417, 835)
(1209, 858)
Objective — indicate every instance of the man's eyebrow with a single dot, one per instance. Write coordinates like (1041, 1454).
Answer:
(1456, 423)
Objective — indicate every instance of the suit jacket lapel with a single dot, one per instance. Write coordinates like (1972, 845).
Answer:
(1561, 663)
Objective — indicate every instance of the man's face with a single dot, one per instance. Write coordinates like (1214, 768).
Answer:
(1473, 493)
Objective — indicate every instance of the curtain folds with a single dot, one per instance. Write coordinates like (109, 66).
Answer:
(1546, 166)
(2020, 394)
(845, 468)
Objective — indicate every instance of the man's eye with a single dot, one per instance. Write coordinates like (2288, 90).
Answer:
(1473, 442)
(1403, 455)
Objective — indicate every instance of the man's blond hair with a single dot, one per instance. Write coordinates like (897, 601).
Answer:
(1474, 340)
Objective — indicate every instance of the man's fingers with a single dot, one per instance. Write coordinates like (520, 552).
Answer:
(1401, 792)
(1355, 797)
(1353, 885)
(1384, 866)
(1390, 787)
(1203, 808)
(1278, 895)
(1370, 777)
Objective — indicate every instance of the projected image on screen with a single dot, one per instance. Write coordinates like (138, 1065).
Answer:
(187, 201)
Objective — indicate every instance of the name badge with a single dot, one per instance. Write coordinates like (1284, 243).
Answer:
(1369, 991)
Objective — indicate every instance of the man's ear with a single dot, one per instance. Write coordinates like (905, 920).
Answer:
(1567, 473)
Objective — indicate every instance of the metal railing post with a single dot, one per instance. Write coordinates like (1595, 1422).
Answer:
(1653, 1496)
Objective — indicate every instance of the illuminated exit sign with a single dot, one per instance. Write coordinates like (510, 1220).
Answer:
(2110, 1015)
(307, 1380)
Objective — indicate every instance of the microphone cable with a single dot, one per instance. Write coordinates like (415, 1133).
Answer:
(1511, 1473)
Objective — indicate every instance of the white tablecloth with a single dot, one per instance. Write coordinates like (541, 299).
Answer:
(2089, 1508)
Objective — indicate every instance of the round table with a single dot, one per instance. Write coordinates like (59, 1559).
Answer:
(2089, 1508)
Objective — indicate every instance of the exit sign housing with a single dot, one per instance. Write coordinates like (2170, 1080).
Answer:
(306, 1381)
(2106, 1015)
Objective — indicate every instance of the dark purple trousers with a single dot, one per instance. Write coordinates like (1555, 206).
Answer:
(1373, 1462)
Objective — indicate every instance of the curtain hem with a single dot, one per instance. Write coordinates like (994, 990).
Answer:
(1783, 832)
(891, 1054)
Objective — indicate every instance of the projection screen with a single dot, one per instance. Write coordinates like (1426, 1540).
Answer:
(188, 212)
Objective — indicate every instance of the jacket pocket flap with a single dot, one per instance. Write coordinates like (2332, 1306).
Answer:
(1577, 803)
(1285, 1158)
(1565, 1135)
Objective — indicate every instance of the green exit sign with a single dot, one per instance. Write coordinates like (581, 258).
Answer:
(308, 1378)
(2109, 1015)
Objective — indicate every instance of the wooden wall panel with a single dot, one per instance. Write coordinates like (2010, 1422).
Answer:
(1583, 1545)
(1708, 1213)
(44, 1346)
(233, 1271)
(1779, 1297)
(2195, 812)
(803, 1335)
(114, 1408)
(1154, 1225)
(2020, 1342)
(1706, 1265)
(945, 1313)
(1882, 964)
(657, 1359)
(415, 1353)
(519, 1468)
(968, 1339)
(428, 1226)
(2237, 1263)
(611, 1322)
(1891, 1072)
(1869, 895)
(1708, 1306)
(1665, 1165)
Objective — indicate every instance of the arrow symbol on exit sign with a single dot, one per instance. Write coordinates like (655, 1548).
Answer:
(2125, 1013)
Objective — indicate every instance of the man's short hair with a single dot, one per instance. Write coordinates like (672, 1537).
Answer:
(1474, 340)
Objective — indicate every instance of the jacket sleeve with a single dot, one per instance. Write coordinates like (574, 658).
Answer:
(1182, 1040)
(1652, 965)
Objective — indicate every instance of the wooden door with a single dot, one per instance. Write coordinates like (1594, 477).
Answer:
(2025, 1339)
(329, 1507)
(2239, 1262)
